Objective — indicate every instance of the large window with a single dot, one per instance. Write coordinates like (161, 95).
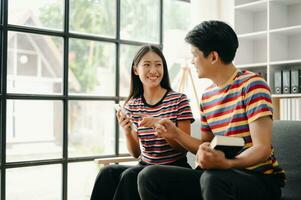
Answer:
(64, 64)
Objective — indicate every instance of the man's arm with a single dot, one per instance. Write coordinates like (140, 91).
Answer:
(184, 126)
(261, 133)
(190, 143)
(167, 129)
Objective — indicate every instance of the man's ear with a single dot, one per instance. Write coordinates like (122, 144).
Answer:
(214, 57)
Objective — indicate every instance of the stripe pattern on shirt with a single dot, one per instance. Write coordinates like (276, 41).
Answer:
(230, 109)
(155, 149)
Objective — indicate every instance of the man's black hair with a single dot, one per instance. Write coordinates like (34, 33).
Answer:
(214, 36)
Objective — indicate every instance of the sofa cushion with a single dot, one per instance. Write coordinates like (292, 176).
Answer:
(287, 145)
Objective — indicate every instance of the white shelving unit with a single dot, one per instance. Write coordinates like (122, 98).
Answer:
(269, 33)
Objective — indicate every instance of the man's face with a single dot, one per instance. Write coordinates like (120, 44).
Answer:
(202, 64)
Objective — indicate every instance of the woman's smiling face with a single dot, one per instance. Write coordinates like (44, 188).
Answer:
(150, 70)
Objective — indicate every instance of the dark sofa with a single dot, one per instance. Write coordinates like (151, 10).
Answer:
(287, 144)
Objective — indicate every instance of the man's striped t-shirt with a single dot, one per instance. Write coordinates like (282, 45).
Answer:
(155, 149)
(229, 109)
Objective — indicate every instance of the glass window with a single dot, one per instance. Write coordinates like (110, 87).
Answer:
(93, 17)
(140, 20)
(122, 140)
(35, 64)
(91, 128)
(37, 13)
(34, 130)
(41, 182)
(92, 67)
(127, 53)
(85, 174)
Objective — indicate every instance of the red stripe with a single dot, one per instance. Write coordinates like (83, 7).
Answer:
(224, 101)
(258, 111)
(224, 112)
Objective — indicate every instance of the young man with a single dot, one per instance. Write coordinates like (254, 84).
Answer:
(237, 104)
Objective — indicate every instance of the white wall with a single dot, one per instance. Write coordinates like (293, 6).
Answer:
(202, 10)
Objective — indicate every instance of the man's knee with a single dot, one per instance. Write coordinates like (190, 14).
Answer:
(148, 173)
(148, 176)
(210, 178)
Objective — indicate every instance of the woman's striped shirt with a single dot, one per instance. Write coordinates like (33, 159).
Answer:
(155, 149)
(229, 109)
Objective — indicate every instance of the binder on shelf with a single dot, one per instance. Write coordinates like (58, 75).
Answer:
(286, 81)
(300, 81)
(295, 81)
(278, 82)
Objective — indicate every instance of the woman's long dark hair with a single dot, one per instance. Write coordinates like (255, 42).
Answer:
(136, 87)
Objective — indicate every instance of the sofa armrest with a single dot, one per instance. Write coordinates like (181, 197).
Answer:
(110, 160)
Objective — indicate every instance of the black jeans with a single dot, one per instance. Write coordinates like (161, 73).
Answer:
(119, 182)
(167, 182)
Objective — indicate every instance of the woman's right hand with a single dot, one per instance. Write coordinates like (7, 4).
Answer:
(124, 121)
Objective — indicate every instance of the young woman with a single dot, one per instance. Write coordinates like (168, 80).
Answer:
(151, 99)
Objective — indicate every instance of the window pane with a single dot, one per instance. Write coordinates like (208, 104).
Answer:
(93, 16)
(92, 67)
(85, 174)
(91, 128)
(122, 142)
(34, 130)
(35, 183)
(127, 54)
(140, 20)
(35, 64)
(36, 13)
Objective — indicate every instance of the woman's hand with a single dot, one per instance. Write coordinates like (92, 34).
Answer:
(208, 158)
(124, 121)
(149, 122)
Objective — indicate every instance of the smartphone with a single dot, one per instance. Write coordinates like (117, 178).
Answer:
(125, 112)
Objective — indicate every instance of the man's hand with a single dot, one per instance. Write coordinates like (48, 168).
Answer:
(208, 158)
(166, 129)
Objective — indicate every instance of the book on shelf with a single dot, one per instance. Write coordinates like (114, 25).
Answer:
(231, 146)
(295, 74)
(286, 80)
(278, 82)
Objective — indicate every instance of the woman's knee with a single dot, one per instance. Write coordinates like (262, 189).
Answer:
(130, 174)
(110, 171)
